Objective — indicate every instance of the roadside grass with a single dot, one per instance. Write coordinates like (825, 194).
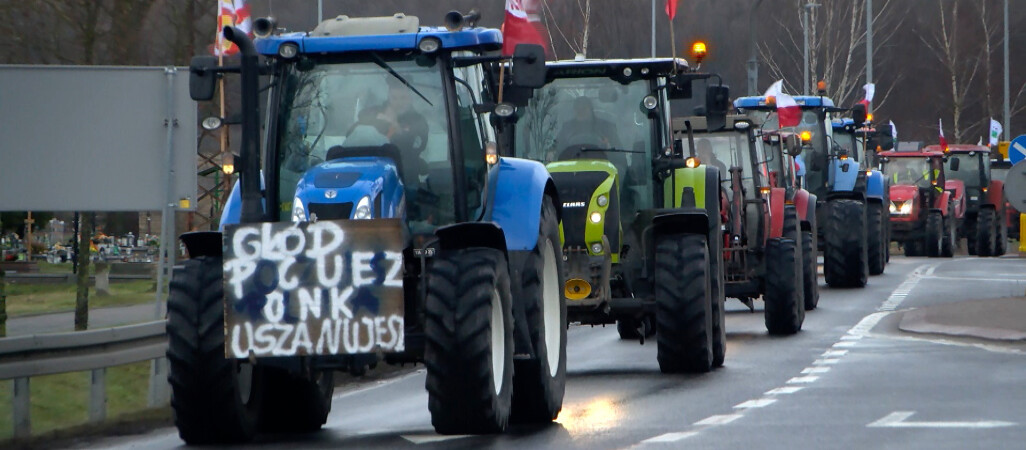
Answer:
(62, 400)
(25, 299)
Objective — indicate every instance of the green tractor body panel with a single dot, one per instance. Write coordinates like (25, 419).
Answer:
(682, 179)
(579, 177)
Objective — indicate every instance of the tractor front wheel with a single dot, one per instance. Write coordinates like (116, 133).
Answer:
(876, 245)
(784, 310)
(985, 228)
(811, 279)
(934, 234)
(845, 262)
(684, 315)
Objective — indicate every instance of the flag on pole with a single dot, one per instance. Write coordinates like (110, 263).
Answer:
(522, 26)
(671, 9)
(870, 91)
(894, 131)
(943, 142)
(995, 131)
(789, 114)
(231, 13)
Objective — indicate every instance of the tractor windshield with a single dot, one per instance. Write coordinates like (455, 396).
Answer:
(848, 143)
(908, 171)
(726, 150)
(973, 168)
(590, 118)
(394, 107)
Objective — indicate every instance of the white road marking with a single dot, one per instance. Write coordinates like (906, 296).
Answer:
(784, 390)
(851, 337)
(430, 438)
(896, 419)
(756, 403)
(810, 370)
(801, 380)
(826, 362)
(834, 353)
(719, 420)
(862, 328)
(669, 437)
(940, 277)
(846, 344)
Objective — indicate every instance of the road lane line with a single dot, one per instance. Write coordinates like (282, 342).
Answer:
(846, 344)
(811, 370)
(784, 390)
(803, 380)
(834, 353)
(756, 403)
(826, 362)
(896, 419)
(669, 437)
(428, 438)
(719, 420)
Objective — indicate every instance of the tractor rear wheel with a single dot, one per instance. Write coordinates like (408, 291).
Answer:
(784, 309)
(876, 246)
(811, 280)
(215, 400)
(845, 262)
(684, 316)
(1001, 236)
(469, 341)
(950, 236)
(934, 234)
(296, 404)
(539, 382)
(985, 238)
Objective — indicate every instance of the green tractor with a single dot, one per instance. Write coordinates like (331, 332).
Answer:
(641, 236)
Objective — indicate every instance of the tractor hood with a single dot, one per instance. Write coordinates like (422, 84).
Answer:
(903, 192)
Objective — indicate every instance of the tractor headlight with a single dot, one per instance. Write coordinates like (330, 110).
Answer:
(602, 200)
(902, 208)
(363, 209)
(288, 50)
(298, 212)
(596, 217)
(596, 248)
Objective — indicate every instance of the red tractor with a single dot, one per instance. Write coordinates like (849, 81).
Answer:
(984, 227)
(927, 210)
(998, 171)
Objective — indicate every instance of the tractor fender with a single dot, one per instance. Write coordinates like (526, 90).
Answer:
(845, 174)
(776, 201)
(996, 193)
(846, 195)
(202, 243)
(691, 220)
(876, 185)
(473, 234)
(516, 202)
(942, 203)
(805, 204)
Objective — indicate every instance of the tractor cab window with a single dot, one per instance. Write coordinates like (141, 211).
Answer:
(725, 151)
(592, 118)
(973, 170)
(847, 143)
(475, 132)
(818, 123)
(384, 105)
(909, 171)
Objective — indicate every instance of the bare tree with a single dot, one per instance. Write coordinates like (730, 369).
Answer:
(961, 71)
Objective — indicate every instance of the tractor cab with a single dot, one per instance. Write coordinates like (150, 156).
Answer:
(986, 225)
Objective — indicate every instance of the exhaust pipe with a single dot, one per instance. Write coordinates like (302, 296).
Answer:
(249, 154)
(455, 20)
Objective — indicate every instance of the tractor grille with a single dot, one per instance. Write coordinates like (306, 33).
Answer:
(575, 191)
(331, 211)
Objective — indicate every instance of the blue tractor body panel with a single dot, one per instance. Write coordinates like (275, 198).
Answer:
(486, 39)
(876, 185)
(844, 174)
(517, 200)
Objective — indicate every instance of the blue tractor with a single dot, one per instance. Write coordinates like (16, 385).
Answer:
(847, 190)
(375, 224)
(856, 139)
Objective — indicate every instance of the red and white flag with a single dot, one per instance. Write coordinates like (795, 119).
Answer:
(231, 13)
(671, 9)
(789, 114)
(870, 92)
(522, 26)
(943, 142)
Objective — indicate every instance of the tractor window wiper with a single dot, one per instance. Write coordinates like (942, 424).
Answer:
(384, 65)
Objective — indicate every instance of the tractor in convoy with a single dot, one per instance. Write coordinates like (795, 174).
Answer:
(641, 228)
(378, 225)
(926, 208)
(999, 171)
(849, 195)
(985, 226)
(855, 139)
(762, 251)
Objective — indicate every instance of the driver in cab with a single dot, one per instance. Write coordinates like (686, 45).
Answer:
(587, 129)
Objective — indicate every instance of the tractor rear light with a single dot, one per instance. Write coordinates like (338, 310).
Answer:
(985, 189)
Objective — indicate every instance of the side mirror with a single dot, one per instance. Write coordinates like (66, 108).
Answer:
(202, 78)
(954, 164)
(717, 105)
(529, 66)
(793, 145)
(858, 113)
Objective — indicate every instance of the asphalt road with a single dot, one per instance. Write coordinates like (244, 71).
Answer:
(850, 379)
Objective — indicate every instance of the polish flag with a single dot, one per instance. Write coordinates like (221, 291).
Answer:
(943, 142)
(671, 9)
(870, 92)
(232, 13)
(789, 114)
(522, 26)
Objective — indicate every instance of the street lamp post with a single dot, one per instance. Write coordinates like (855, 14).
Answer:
(753, 59)
(1008, 115)
(869, 46)
(806, 9)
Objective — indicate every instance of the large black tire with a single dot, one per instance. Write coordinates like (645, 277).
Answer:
(1001, 236)
(934, 239)
(784, 308)
(539, 382)
(845, 255)
(296, 404)
(215, 400)
(876, 245)
(684, 313)
(469, 374)
(985, 227)
(719, 329)
(950, 236)
(811, 279)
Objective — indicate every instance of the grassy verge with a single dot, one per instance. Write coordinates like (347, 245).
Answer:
(62, 400)
(24, 299)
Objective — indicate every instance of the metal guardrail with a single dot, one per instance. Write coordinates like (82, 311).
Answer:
(24, 357)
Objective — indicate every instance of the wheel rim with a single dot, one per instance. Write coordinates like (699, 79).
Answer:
(244, 379)
(498, 342)
(550, 307)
